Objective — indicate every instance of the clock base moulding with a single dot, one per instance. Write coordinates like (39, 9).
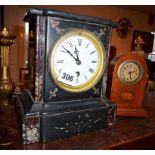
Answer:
(55, 121)
(139, 112)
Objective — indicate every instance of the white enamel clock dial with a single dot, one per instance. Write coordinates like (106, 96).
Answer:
(130, 72)
(77, 60)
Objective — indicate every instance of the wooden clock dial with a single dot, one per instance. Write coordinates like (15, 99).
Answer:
(129, 78)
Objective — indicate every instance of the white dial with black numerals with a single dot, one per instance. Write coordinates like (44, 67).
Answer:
(130, 72)
(77, 60)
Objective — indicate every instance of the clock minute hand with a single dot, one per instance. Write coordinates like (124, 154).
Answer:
(69, 53)
(78, 62)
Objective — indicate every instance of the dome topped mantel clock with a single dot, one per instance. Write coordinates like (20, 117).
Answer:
(127, 78)
(71, 60)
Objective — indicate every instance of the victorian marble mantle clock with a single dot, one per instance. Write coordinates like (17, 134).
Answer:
(71, 60)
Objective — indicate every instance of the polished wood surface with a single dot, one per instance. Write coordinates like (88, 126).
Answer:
(126, 133)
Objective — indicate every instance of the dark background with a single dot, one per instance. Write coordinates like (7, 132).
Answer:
(1, 16)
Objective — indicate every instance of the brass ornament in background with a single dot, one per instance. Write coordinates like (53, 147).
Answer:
(6, 40)
(138, 44)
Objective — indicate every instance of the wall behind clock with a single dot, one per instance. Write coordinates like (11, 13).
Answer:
(13, 19)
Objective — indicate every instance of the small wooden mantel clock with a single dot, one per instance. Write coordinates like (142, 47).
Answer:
(128, 76)
(71, 60)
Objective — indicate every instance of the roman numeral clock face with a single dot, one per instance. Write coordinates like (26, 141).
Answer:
(77, 61)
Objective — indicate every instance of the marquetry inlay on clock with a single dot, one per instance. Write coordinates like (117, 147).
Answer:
(129, 78)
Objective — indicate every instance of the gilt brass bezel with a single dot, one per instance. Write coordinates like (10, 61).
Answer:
(100, 67)
(141, 72)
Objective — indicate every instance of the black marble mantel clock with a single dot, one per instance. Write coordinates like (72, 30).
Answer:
(71, 60)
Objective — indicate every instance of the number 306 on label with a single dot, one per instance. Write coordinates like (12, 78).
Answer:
(66, 77)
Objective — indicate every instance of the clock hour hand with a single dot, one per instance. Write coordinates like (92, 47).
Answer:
(78, 62)
(133, 71)
(77, 53)
(69, 53)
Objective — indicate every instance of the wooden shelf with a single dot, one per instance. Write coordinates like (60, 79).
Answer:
(126, 133)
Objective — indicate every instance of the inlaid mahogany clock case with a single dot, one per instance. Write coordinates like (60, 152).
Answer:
(128, 97)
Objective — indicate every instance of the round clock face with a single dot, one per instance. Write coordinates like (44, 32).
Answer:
(130, 72)
(77, 60)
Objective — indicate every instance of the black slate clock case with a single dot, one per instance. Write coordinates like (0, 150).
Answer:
(48, 112)
(53, 33)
